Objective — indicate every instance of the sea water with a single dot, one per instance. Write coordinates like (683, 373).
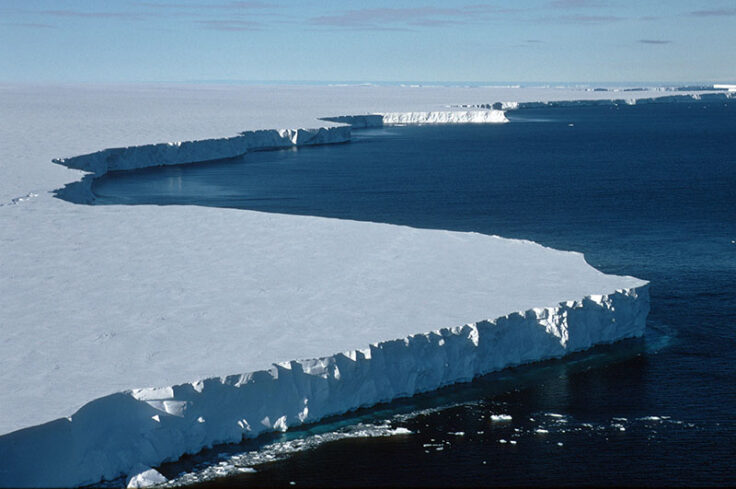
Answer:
(646, 190)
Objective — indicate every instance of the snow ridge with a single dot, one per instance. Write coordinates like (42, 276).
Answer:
(110, 436)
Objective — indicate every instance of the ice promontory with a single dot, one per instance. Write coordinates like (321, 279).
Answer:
(356, 314)
(132, 335)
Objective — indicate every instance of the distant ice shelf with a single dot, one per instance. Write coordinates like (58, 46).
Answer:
(476, 116)
(666, 99)
(178, 153)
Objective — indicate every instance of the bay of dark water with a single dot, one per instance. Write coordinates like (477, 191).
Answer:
(646, 190)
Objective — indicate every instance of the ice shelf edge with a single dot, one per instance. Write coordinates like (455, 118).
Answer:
(665, 99)
(179, 153)
(109, 436)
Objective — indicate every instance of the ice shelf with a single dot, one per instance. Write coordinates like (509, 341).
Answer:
(663, 99)
(134, 334)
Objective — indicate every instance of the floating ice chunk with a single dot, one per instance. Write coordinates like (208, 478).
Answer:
(541, 431)
(501, 417)
(144, 476)
(280, 424)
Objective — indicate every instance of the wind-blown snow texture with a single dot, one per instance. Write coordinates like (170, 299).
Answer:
(104, 307)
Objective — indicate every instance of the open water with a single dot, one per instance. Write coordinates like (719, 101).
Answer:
(646, 190)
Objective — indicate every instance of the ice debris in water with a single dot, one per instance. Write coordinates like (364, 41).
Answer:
(144, 476)
(243, 462)
(500, 417)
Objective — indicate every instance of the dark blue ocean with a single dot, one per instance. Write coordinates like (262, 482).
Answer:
(646, 190)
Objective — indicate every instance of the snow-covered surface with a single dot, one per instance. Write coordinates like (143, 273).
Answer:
(105, 303)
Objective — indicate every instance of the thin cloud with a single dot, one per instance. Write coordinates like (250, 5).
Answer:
(30, 25)
(373, 16)
(528, 44)
(383, 18)
(723, 12)
(248, 5)
(436, 22)
(589, 19)
(231, 25)
(654, 41)
(90, 15)
(573, 4)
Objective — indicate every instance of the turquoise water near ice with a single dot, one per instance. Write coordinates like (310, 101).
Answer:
(647, 190)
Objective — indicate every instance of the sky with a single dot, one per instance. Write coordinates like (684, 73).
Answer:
(534, 41)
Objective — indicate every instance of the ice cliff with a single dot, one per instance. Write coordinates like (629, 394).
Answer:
(177, 153)
(484, 116)
(109, 436)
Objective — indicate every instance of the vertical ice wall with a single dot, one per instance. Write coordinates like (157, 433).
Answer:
(109, 436)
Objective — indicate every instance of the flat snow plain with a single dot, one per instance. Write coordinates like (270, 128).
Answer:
(101, 300)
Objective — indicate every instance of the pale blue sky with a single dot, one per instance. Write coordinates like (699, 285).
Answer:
(345, 40)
